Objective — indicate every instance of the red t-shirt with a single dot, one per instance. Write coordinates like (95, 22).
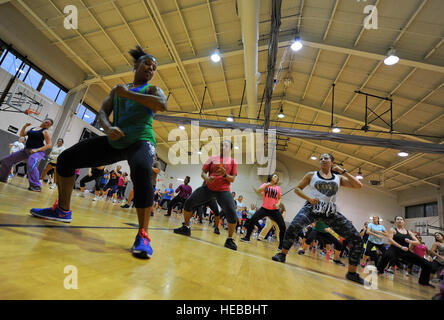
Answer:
(213, 165)
(271, 197)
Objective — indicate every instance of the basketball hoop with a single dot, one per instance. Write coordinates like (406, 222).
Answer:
(30, 111)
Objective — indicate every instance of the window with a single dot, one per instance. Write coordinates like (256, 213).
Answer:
(422, 210)
(33, 78)
(89, 116)
(85, 113)
(11, 63)
(50, 90)
(61, 97)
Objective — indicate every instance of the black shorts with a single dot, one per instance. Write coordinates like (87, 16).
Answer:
(203, 195)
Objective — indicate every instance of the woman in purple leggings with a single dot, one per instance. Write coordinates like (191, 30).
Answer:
(39, 140)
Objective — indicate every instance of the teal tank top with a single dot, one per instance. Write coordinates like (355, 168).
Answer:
(134, 119)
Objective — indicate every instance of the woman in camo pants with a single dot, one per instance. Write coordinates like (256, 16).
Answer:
(324, 185)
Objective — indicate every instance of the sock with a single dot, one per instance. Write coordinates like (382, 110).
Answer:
(64, 210)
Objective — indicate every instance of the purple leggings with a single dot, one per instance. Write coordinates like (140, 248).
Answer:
(16, 157)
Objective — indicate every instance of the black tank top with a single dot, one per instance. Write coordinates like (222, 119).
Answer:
(400, 238)
(35, 139)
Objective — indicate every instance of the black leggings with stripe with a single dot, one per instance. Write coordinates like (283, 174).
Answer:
(97, 151)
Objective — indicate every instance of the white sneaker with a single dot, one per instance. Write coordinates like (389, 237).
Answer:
(114, 201)
(95, 199)
(53, 186)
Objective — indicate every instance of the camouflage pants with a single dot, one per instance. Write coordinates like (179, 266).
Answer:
(336, 221)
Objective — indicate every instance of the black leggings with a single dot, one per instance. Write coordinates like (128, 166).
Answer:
(393, 253)
(96, 152)
(336, 221)
(324, 237)
(94, 176)
(370, 245)
(203, 195)
(176, 200)
(274, 215)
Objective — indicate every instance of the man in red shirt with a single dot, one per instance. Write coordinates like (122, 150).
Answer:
(219, 172)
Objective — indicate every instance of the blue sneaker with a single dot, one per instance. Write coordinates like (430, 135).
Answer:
(53, 213)
(142, 245)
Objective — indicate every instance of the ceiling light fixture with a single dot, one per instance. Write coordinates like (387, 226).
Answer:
(230, 118)
(391, 58)
(215, 57)
(297, 44)
(359, 176)
(403, 154)
(181, 127)
(281, 114)
(336, 130)
(313, 157)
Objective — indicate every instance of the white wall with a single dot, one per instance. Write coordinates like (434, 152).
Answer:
(421, 195)
(356, 205)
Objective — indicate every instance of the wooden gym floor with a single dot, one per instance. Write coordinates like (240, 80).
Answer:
(34, 253)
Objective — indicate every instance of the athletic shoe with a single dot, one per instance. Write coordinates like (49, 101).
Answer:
(166, 215)
(260, 239)
(280, 257)
(11, 176)
(183, 230)
(245, 239)
(301, 252)
(339, 262)
(95, 199)
(427, 285)
(53, 186)
(229, 243)
(35, 189)
(82, 194)
(125, 206)
(142, 247)
(216, 231)
(363, 265)
(54, 213)
(114, 201)
(355, 277)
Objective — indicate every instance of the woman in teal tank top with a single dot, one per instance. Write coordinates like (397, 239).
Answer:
(130, 137)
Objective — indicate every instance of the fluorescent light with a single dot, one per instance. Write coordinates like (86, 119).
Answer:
(296, 45)
(313, 157)
(215, 57)
(180, 179)
(101, 129)
(236, 147)
(230, 118)
(181, 127)
(199, 152)
(336, 130)
(392, 58)
(86, 116)
(403, 154)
